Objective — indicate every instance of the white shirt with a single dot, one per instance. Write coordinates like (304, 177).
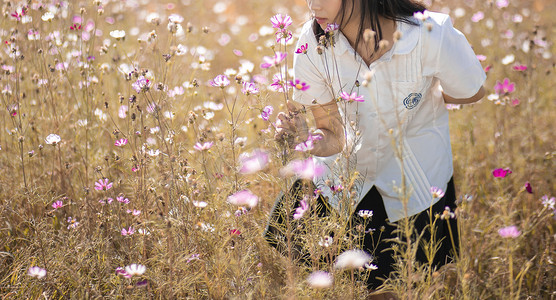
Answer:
(402, 103)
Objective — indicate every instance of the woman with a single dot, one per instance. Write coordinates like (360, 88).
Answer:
(380, 73)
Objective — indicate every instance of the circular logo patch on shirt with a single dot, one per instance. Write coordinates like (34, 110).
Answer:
(412, 100)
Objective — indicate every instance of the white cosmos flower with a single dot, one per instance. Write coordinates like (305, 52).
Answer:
(52, 139)
(48, 16)
(36, 272)
(320, 280)
(352, 259)
(135, 269)
(117, 34)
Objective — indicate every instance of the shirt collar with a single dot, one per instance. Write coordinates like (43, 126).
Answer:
(403, 46)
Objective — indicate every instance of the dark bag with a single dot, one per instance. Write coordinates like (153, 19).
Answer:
(284, 208)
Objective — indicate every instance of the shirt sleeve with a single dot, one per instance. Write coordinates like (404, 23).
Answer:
(457, 67)
(309, 68)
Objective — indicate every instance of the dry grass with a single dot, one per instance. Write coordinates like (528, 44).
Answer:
(192, 252)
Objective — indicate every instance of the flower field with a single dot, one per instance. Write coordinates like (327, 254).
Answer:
(139, 158)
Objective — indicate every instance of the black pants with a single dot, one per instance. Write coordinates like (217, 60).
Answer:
(382, 230)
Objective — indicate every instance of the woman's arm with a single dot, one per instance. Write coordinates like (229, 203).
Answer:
(293, 128)
(478, 96)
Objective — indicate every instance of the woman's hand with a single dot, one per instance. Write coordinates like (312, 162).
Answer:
(291, 127)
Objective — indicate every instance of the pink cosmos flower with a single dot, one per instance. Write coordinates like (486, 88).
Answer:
(331, 27)
(528, 187)
(504, 87)
(249, 88)
(128, 231)
(437, 192)
(134, 212)
(120, 142)
(501, 173)
(104, 201)
(244, 198)
(502, 3)
(220, 81)
(278, 84)
(203, 147)
(477, 16)
(254, 162)
(509, 232)
(300, 211)
(481, 57)
(547, 202)
(352, 97)
(142, 84)
(123, 200)
(305, 169)
(280, 21)
(273, 61)
(103, 185)
(520, 68)
(235, 232)
(36, 272)
(302, 49)
(302, 86)
(120, 271)
(305, 146)
(266, 112)
(57, 204)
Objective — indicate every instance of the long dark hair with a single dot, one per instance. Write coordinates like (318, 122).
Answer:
(397, 10)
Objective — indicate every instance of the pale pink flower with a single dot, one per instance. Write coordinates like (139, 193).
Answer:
(122, 111)
(120, 142)
(36, 272)
(300, 211)
(142, 84)
(320, 280)
(502, 3)
(128, 231)
(220, 81)
(305, 169)
(437, 192)
(244, 198)
(57, 204)
(281, 21)
(203, 147)
(123, 200)
(273, 61)
(254, 162)
(547, 202)
(352, 259)
(135, 270)
(121, 271)
(352, 97)
(249, 88)
(266, 112)
(509, 232)
(134, 212)
(477, 16)
(103, 185)
(331, 27)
